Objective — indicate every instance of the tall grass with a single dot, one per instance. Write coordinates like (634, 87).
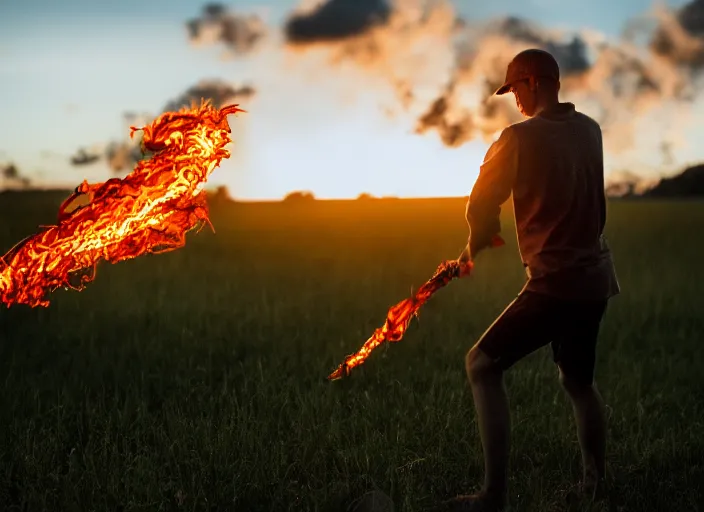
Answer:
(195, 380)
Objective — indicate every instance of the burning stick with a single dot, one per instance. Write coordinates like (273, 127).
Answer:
(149, 211)
(399, 316)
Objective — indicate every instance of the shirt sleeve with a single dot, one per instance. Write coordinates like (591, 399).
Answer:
(493, 187)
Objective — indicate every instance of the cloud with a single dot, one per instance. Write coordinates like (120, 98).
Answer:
(416, 45)
(626, 183)
(335, 20)
(452, 132)
(217, 92)
(123, 154)
(11, 177)
(71, 108)
(679, 37)
(242, 34)
(479, 65)
(439, 69)
(84, 157)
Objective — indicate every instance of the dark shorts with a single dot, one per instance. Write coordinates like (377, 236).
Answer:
(533, 320)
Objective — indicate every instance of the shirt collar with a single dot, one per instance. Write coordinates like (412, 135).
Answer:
(558, 112)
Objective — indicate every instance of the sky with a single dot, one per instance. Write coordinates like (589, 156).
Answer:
(71, 68)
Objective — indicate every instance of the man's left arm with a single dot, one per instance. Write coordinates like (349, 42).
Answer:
(493, 187)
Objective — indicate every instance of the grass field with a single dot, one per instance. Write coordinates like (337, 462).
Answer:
(195, 380)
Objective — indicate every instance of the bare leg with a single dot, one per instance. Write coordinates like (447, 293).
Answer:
(491, 404)
(588, 408)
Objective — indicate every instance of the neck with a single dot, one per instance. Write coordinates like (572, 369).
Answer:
(545, 102)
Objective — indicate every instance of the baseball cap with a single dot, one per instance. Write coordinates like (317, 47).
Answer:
(533, 62)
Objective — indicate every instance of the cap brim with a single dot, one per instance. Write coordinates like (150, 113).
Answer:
(503, 89)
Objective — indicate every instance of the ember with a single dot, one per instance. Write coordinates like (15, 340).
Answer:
(148, 211)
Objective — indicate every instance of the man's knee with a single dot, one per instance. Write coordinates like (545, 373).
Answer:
(480, 366)
(575, 385)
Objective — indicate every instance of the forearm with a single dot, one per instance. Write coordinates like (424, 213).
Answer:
(484, 224)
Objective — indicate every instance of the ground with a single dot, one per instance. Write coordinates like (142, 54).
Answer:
(195, 380)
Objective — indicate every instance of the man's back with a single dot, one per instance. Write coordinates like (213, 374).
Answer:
(560, 206)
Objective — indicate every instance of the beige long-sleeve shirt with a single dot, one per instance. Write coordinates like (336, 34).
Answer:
(553, 166)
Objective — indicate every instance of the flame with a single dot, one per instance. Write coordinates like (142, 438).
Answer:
(148, 211)
(399, 316)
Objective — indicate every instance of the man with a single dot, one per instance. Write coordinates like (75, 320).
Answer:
(552, 164)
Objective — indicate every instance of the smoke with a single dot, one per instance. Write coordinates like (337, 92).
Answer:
(239, 33)
(123, 154)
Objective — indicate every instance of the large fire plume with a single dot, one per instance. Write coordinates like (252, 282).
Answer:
(148, 211)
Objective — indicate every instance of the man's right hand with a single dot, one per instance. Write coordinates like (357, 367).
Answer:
(466, 258)
(465, 261)
(475, 247)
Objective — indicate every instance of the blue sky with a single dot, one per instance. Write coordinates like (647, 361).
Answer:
(70, 69)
